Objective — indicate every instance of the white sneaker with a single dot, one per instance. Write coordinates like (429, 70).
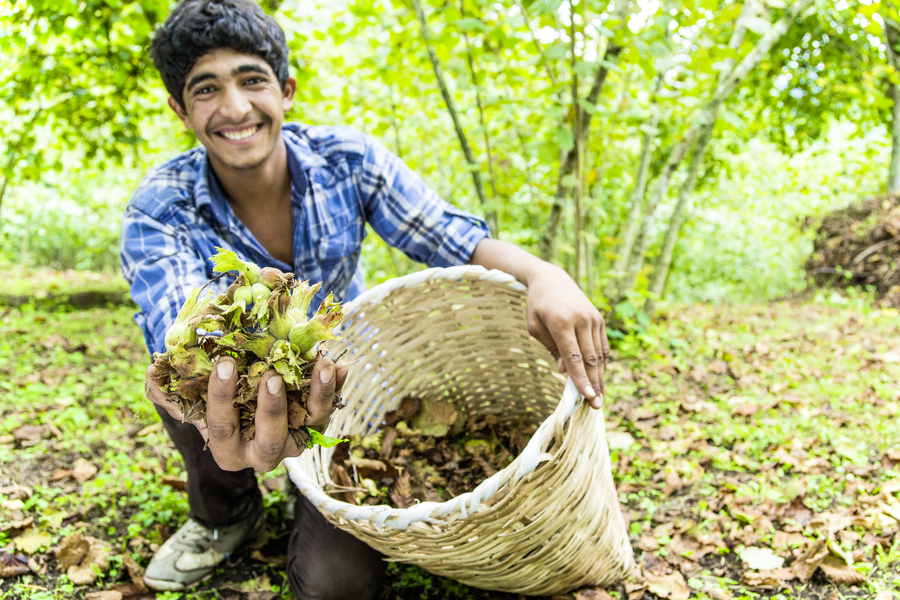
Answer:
(194, 551)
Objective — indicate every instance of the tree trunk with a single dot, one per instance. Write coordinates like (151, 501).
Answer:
(578, 149)
(728, 82)
(892, 42)
(568, 161)
(451, 107)
(633, 220)
(492, 217)
(661, 271)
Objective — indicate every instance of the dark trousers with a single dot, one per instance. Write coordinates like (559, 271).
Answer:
(323, 562)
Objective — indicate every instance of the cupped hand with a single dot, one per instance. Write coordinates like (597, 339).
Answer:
(271, 443)
(561, 317)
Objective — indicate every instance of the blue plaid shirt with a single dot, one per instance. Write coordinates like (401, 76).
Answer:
(340, 180)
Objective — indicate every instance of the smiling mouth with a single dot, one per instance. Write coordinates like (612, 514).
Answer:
(240, 134)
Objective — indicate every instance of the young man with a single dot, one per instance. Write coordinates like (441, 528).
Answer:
(295, 197)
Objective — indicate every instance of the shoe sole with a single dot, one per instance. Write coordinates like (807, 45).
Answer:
(161, 585)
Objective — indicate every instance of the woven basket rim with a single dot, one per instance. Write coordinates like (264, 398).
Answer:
(466, 504)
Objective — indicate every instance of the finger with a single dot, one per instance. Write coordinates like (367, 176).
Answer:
(268, 447)
(341, 369)
(590, 360)
(539, 331)
(574, 359)
(155, 394)
(602, 342)
(223, 420)
(321, 394)
(201, 427)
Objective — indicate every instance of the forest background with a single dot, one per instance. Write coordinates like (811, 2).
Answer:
(676, 148)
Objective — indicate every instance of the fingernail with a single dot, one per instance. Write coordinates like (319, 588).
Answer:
(559, 363)
(327, 373)
(590, 392)
(274, 385)
(225, 369)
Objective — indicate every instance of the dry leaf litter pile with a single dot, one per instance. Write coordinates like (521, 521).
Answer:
(426, 452)
(261, 321)
(859, 246)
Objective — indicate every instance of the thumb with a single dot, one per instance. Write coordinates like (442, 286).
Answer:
(321, 395)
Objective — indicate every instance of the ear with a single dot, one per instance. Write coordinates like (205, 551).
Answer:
(287, 98)
(180, 112)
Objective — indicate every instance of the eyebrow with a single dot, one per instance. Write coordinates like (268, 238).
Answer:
(248, 68)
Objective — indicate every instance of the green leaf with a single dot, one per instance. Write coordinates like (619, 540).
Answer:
(471, 24)
(564, 138)
(556, 51)
(732, 119)
(323, 440)
(543, 7)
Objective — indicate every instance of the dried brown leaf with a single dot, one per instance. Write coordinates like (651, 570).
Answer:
(71, 551)
(435, 418)
(17, 492)
(648, 543)
(85, 572)
(28, 433)
(839, 572)
(672, 586)
(12, 565)
(173, 482)
(279, 560)
(773, 578)
(83, 470)
(104, 595)
(408, 408)
(807, 563)
(401, 493)
(135, 571)
(717, 593)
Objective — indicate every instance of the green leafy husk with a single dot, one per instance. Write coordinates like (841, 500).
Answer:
(261, 321)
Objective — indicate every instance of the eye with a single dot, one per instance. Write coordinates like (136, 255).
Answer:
(206, 89)
(254, 80)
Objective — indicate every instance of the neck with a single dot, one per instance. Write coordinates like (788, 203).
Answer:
(259, 188)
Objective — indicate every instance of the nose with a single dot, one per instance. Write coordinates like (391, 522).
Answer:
(234, 104)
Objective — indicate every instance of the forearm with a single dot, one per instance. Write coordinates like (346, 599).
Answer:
(509, 258)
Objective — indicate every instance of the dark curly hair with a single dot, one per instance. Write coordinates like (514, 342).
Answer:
(196, 27)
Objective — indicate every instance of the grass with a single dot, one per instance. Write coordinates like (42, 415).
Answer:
(748, 423)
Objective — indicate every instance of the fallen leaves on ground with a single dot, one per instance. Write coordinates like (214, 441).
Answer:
(32, 540)
(83, 558)
(12, 565)
(83, 470)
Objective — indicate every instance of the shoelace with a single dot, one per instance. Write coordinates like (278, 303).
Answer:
(195, 538)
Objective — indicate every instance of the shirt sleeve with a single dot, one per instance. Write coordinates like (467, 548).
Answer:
(161, 267)
(410, 216)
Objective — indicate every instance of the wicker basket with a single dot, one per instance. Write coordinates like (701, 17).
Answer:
(547, 523)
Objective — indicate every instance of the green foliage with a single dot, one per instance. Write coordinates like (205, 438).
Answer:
(84, 117)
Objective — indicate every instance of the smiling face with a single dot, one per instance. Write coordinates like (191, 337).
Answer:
(235, 106)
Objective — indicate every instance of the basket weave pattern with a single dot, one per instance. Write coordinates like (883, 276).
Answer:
(547, 523)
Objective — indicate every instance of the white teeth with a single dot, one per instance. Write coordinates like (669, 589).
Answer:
(239, 135)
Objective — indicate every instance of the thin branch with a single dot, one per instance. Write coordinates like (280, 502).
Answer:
(451, 108)
(537, 43)
(495, 226)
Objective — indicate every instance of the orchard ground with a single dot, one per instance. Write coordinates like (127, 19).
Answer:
(753, 447)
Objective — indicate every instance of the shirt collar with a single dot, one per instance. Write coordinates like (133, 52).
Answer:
(301, 158)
